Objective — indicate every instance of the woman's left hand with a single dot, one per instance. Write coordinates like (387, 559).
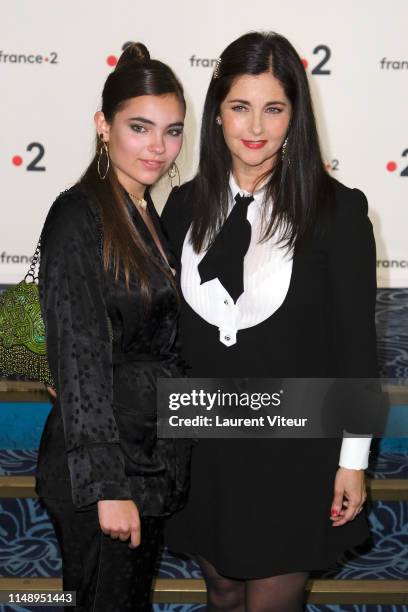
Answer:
(349, 496)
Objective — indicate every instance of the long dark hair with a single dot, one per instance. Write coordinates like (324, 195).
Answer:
(123, 247)
(298, 183)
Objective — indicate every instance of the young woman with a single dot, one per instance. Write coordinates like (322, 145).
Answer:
(278, 280)
(110, 308)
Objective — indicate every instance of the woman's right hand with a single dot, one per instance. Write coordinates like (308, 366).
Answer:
(119, 518)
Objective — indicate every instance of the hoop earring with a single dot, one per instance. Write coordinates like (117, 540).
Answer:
(172, 172)
(103, 151)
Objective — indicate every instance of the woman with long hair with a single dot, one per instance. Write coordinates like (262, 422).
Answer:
(278, 280)
(110, 307)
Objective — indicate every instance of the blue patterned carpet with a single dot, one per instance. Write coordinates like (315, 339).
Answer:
(392, 332)
(28, 546)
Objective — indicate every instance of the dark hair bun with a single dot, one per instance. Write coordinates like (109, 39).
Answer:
(133, 52)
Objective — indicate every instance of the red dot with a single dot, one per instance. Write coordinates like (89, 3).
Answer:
(391, 166)
(17, 160)
(45, 59)
(111, 60)
(305, 63)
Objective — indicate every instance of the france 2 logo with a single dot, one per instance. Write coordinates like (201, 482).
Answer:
(34, 165)
(323, 53)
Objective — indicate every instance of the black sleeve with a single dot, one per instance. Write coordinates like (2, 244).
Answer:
(177, 216)
(169, 213)
(352, 270)
(353, 287)
(79, 349)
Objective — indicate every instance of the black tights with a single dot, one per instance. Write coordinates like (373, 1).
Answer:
(283, 593)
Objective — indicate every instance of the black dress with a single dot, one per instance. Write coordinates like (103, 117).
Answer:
(260, 507)
(100, 438)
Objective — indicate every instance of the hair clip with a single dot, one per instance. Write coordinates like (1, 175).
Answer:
(216, 72)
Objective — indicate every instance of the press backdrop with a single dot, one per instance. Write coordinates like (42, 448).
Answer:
(55, 56)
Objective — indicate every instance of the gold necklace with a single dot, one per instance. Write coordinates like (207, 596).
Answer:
(140, 201)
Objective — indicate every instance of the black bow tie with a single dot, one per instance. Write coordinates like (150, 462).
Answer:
(225, 258)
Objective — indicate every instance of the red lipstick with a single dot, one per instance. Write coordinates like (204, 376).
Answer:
(254, 144)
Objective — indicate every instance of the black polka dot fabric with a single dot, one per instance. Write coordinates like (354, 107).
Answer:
(100, 438)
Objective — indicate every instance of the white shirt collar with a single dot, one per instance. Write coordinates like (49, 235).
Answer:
(258, 195)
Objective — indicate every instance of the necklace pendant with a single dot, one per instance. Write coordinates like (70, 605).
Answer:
(139, 201)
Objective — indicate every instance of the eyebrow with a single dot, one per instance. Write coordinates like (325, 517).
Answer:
(149, 122)
(249, 104)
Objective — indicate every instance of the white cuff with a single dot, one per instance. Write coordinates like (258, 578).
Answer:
(354, 452)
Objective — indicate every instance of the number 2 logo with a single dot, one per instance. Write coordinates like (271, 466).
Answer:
(34, 166)
(324, 53)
